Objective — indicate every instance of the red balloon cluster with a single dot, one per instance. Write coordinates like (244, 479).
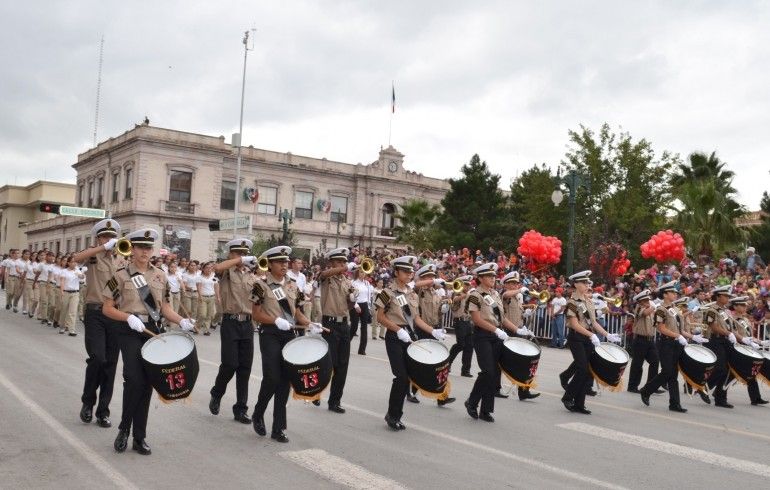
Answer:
(620, 265)
(609, 260)
(540, 250)
(664, 246)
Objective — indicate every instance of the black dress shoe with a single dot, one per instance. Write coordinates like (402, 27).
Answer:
(445, 401)
(214, 405)
(633, 390)
(705, 397)
(564, 381)
(466, 374)
(317, 403)
(336, 409)
(591, 392)
(86, 413)
(103, 422)
(645, 397)
(242, 418)
(527, 395)
(760, 402)
(678, 409)
(568, 404)
(362, 353)
(486, 417)
(723, 404)
(659, 392)
(412, 398)
(392, 422)
(279, 436)
(500, 395)
(471, 410)
(582, 410)
(141, 447)
(259, 424)
(121, 442)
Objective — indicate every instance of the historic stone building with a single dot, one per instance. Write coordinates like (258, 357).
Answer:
(179, 182)
(19, 206)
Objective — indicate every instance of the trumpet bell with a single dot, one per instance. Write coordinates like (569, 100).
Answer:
(262, 264)
(457, 286)
(367, 266)
(124, 247)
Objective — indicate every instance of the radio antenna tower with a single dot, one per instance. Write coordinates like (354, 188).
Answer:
(98, 88)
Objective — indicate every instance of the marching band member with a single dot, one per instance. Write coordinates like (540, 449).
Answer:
(720, 338)
(70, 290)
(123, 303)
(208, 297)
(100, 339)
(396, 307)
(275, 307)
(462, 325)
(582, 340)
(512, 299)
(644, 341)
(743, 332)
(237, 335)
(673, 337)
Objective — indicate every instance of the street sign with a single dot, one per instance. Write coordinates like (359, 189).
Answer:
(243, 222)
(82, 212)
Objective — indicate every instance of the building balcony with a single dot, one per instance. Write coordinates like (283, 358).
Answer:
(178, 207)
(386, 232)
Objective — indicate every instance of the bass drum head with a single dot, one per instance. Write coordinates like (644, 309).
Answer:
(612, 353)
(704, 355)
(427, 364)
(304, 350)
(523, 347)
(309, 365)
(747, 351)
(428, 351)
(170, 362)
(167, 348)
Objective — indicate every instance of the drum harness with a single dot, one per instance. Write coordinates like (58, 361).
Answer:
(280, 296)
(140, 283)
(407, 312)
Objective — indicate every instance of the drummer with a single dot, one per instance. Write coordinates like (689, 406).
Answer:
(673, 337)
(512, 299)
(721, 337)
(396, 307)
(683, 304)
(743, 332)
(275, 307)
(643, 348)
(582, 339)
(123, 303)
(462, 325)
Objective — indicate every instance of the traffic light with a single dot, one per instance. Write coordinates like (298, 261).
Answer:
(214, 225)
(49, 207)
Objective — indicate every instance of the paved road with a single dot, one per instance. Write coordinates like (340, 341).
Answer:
(623, 444)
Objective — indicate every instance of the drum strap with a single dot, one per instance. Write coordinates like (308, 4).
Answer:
(140, 283)
(407, 312)
(280, 296)
(495, 309)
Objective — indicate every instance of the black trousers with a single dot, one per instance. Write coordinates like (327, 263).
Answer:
(237, 356)
(581, 381)
(396, 350)
(719, 376)
(753, 387)
(670, 350)
(363, 318)
(488, 348)
(102, 349)
(275, 375)
(338, 339)
(464, 344)
(643, 349)
(136, 387)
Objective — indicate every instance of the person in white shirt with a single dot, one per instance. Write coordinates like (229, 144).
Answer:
(316, 313)
(69, 284)
(57, 274)
(189, 286)
(295, 273)
(558, 305)
(12, 283)
(378, 329)
(360, 297)
(42, 286)
(26, 280)
(174, 278)
(208, 297)
(601, 308)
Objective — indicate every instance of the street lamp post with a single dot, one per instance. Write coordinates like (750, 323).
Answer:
(240, 136)
(287, 218)
(339, 221)
(573, 180)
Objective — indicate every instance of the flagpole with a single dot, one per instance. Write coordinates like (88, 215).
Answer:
(392, 109)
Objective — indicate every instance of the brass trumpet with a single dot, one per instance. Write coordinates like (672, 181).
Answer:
(542, 296)
(367, 265)
(262, 263)
(457, 286)
(124, 247)
(614, 301)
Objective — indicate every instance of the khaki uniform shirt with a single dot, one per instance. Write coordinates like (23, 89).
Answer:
(235, 286)
(264, 295)
(578, 307)
(513, 310)
(391, 299)
(101, 268)
(742, 326)
(643, 325)
(335, 291)
(430, 306)
(668, 315)
(460, 308)
(716, 315)
(484, 301)
(126, 295)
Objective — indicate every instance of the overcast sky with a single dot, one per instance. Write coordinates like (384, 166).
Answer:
(500, 78)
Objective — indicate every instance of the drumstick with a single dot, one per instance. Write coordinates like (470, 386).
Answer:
(187, 314)
(305, 327)
(420, 346)
(152, 334)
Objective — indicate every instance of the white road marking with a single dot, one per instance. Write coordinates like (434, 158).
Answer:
(89, 454)
(339, 470)
(698, 455)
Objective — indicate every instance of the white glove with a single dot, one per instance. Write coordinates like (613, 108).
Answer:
(614, 338)
(595, 340)
(438, 282)
(523, 331)
(403, 335)
(698, 339)
(746, 341)
(731, 338)
(351, 266)
(282, 324)
(501, 334)
(438, 334)
(135, 323)
(314, 328)
(754, 345)
(410, 284)
(682, 341)
(187, 324)
(248, 260)
(110, 244)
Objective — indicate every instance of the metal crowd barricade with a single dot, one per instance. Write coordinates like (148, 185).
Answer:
(445, 321)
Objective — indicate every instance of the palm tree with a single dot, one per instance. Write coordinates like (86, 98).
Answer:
(416, 222)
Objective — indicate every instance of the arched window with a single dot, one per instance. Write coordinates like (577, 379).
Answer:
(388, 218)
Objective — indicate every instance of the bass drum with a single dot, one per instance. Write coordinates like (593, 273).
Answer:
(744, 362)
(309, 365)
(607, 363)
(170, 361)
(519, 359)
(764, 373)
(696, 364)
(427, 364)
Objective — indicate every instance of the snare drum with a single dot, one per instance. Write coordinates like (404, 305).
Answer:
(310, 366)
(171, 363)
(518, 361)
(744, 362)
(764, 373)
(696, 365)
(608, 362)
(427, 364)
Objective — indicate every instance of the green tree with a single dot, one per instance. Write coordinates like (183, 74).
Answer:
(531, 204)
(475, 213)
(416, 223)
(760, 235)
